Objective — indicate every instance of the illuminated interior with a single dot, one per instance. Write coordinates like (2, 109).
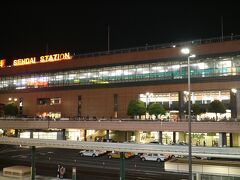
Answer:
(208, 67)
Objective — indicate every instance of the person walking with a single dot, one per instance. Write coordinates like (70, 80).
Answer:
(62, 172)
(58, 171)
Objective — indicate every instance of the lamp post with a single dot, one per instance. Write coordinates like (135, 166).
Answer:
(148, 95)
(187, 52)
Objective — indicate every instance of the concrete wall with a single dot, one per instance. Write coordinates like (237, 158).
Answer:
(214, 48)
(207, 169)
(99, 102)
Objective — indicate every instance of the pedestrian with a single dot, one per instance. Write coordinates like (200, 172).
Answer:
(204, 143)
(58, 171)
(62, 172)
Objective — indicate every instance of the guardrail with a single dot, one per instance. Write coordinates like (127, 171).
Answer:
(126, 147)
(113, 119)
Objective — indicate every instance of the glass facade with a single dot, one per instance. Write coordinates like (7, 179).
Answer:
(207, 67)
(171, 100)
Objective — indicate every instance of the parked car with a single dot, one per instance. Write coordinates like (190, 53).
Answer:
(116, 154)
(152, 157)
(154, 142)
(186, 157)
(92, 153)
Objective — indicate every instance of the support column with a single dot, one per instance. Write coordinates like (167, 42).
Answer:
(126, 136)
(64, 134)
(222, 139)
(33, 163)
(122, 164)
(231, 139)
(85, 135)
(31, 134)
(233, 104)
(137, 136)
(174, 137)
(198, 176)
(160, 137)
(16, 133)
(181, 105)
(107, 135)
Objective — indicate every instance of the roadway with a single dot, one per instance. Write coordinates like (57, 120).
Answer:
(100, 168)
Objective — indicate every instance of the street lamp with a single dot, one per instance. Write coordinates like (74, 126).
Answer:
(148, 96)
(234, 90)
(186, 51)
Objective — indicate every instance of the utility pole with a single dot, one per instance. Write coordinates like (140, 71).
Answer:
(108, 40)
(46, 48)
(222, 26)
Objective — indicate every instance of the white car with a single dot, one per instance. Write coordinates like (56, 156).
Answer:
(152, 157)
(92, 153)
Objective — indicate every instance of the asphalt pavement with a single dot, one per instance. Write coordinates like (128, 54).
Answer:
(88, 168)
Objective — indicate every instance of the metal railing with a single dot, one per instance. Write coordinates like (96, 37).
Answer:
(126, 147)
(114, 119)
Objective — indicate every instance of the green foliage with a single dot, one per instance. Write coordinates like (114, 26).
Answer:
(156, 109)
(196, 109)
(10, 109)
(217, 106)
(136, 107)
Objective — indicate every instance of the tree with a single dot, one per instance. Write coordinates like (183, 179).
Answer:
(10, 109)
(156, 109)
(217, 106)
(196, 109)
(136, 108)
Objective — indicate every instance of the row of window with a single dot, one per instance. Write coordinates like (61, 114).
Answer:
(200, 97)
(227, 66)
(49, 101)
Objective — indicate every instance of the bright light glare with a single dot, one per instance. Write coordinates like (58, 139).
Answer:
(185, 50)
(226, 63)
(186, 92)
(202, 66)
(176, 66)
(234, 90)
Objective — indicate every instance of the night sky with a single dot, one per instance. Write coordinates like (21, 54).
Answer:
(28, 27)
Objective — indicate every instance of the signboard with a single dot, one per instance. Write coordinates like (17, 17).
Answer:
(25, 61)
(43, 59)
(2, 63)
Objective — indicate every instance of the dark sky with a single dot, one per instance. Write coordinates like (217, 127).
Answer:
(27, 27)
